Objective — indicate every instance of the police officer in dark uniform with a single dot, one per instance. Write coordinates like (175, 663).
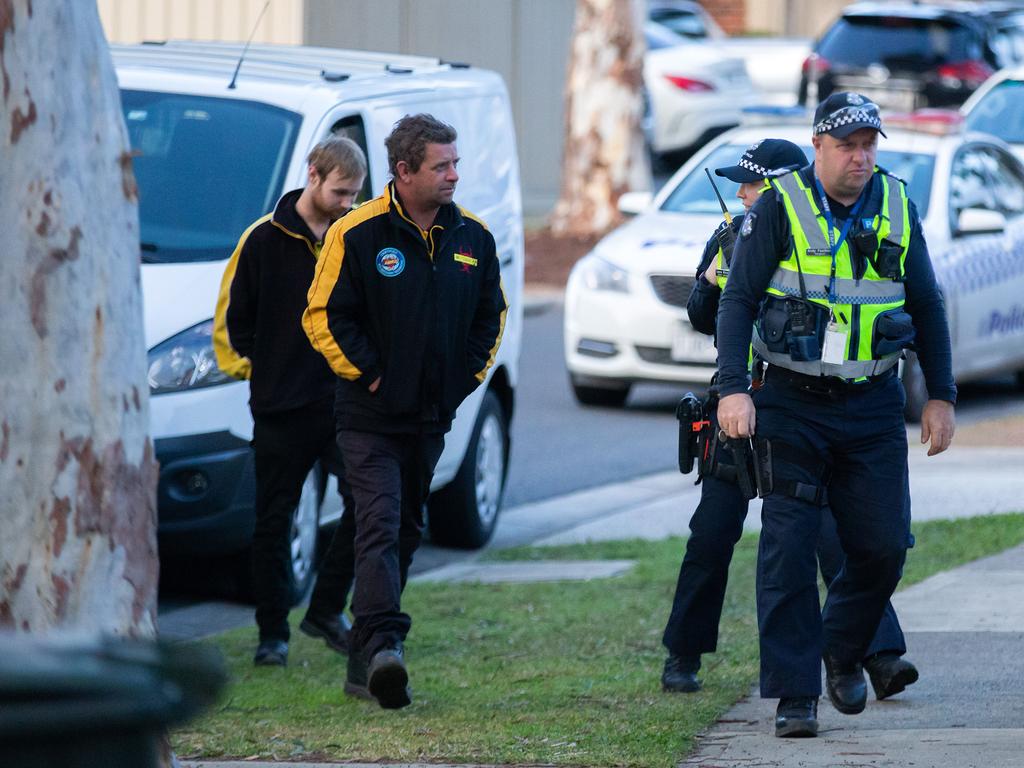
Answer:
(832, 265)
(717, 523)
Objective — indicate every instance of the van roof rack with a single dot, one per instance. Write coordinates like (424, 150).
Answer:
(269, 61)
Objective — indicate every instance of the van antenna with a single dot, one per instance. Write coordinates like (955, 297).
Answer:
(234, 77)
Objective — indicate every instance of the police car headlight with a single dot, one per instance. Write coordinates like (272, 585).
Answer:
(185, 361)
(601, 275)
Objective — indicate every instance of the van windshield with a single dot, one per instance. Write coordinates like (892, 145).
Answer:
(206, 169)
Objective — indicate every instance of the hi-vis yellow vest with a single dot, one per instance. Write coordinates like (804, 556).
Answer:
(859, 301)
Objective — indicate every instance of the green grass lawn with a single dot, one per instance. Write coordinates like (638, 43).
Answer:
(560, 673)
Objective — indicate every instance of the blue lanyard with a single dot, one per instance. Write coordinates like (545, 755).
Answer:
(833, 245)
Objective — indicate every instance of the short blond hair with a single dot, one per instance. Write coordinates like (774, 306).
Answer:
(338, 152)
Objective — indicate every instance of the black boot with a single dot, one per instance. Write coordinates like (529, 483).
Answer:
(355, 678)
(271, 653)
(797, 717)
(333, 630)
(846, 686)
(388, 679)
(890, 674)
(680, 674)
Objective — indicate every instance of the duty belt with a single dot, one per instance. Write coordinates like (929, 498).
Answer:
(824, 385)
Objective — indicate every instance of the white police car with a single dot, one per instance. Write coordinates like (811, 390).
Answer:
(625, 316)
(997, 107)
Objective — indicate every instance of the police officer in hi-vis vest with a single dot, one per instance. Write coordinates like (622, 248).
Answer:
(717, 523)
(832, 269)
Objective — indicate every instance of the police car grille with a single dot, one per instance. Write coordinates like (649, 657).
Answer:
(672, 289)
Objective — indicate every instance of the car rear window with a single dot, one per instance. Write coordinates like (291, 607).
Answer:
(206, 169)
(694, 194)
(1001, 112)
(898, 42)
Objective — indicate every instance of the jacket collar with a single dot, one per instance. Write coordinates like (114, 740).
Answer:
(872, 202)
(448, 216)
(287, 218)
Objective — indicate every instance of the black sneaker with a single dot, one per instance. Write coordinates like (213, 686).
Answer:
(797, 717)
(333, 630)
(680, 675)
(889, 674)
(387, 678)
(271, 653)
(355, 678)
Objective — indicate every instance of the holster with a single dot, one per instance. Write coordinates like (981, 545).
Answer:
(693, 420)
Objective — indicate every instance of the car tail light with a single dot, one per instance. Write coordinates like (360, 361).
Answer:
(689, 84)
(815, 66)
(939, 122)
(960, 73)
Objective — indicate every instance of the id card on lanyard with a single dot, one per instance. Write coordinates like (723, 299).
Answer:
(836, 335)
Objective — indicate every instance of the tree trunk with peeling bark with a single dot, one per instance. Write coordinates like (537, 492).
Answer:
(77, 472)
(603, 154)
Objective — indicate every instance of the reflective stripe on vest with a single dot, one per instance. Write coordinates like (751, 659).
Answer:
(859, 302)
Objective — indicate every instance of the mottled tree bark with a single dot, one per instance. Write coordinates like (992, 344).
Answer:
(604, 153)
(77, 473)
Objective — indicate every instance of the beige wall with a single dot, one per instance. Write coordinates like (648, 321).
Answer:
(795, 18)
(526, 41)
(131, 21)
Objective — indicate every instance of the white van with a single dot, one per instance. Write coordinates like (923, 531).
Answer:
(217, 139)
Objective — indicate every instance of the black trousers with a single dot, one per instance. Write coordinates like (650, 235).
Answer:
(390, 478)
(287, 445)
(715, 527)
(862, 436)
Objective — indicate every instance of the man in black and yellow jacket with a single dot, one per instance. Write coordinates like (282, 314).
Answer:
(258, 336)
(408, 309)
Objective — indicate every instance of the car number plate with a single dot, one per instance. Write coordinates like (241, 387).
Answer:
(690, 346)
(890, 98)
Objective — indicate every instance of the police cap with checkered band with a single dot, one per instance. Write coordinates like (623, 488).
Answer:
(844, 112)
(768, 157)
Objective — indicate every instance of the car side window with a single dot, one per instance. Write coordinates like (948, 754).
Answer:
(985, 177)
(351, 127)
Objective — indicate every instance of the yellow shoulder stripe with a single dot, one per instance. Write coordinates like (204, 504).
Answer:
(473, 216)
(328, 268)
(228, 359)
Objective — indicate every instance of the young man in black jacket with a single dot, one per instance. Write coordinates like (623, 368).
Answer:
(408, 309)
(258, 336)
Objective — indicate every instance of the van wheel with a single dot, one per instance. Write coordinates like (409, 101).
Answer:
(303, 536)
(464, 513)
(914, 386)
(613, 396)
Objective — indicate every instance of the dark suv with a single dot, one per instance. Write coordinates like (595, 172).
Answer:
(910, 55)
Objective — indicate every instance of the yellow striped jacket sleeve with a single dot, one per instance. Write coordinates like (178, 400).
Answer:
(229, 360)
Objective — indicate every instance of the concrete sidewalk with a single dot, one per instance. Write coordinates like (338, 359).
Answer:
(965, 627)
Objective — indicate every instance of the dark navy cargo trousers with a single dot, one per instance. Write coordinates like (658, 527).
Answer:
(861, 434)
(715, 527)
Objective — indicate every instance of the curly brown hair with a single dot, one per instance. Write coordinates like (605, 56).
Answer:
(408, 140)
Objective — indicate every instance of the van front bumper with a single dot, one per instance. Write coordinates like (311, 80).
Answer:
(206, 493)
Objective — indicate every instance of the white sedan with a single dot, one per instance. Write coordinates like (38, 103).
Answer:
(625, 304)
(692, 90)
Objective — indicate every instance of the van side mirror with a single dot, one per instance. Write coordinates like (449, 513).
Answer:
(632, 203)
(979, 221)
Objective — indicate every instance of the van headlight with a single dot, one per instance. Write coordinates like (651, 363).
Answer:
(601, 275)
(185, 361)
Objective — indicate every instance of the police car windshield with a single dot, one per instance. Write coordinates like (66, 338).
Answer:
(206, 169)
(694, 194)
(1001, 112)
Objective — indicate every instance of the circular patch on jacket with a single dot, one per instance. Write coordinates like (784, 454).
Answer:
(390, 262)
